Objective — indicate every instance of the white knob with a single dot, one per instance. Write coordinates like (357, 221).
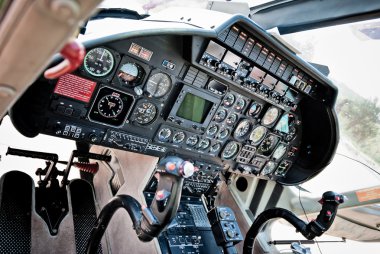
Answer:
(187, 169)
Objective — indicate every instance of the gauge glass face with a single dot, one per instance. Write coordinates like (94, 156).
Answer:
(254, 109)
(231, 120)
(257, 134)
(283, 168)
(268, 168)
(215, 147)
(204, 143)
(223, 133)
(270, 116)
(129, 73)
(164, 134)
(179, 137)
(158, 85)
(145, 113)
(212, 130)
(268, 144)
(220, 115)
(228, 100)
(242, 129)
(279, 152)
(292, 133)
(240, 104)
(99, 62)
(110, 106)
(192, 140)
(230, 150)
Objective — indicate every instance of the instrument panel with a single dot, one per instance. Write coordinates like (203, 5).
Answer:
(232, 101)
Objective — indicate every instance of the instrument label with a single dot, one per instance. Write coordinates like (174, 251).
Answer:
(75, 87)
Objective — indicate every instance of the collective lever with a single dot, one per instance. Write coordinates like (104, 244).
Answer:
(330, 202)
(148, 222)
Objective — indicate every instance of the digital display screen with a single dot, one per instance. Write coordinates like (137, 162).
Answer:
(231, 59)
(281, 88)
(215, 50)
(217, 87)
(194, 108)
(269, 82)
(257, 74)
(285, 122)
(291, 95)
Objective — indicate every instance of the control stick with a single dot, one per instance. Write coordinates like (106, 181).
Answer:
(330, 202)
(148, 222)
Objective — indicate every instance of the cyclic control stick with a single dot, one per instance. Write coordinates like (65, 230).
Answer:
(330, 202)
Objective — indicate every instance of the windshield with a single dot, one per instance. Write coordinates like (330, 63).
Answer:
(349, 51)
(153, 6)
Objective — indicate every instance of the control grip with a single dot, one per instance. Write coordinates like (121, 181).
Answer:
(164, 206)
(330, 202)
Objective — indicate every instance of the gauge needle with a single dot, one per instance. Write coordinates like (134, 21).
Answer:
(101, 58)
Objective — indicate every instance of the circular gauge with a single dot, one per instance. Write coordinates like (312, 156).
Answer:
(283, 168)
(164, 134)
(215, 147)
(204, 143)
(110, 106)
(223, 133)
(279, 152)
(268, 145)
(242, 129)
(179, 137)
(230, 150)
(268, 168)
(145, 113)
(131, 74)
(291, 134)
(257, 134)
(228, 100)
(270, 116)
(98, 62)
(192, 140)
(220, 115)
(231, 120)
(254, 109)
(212, 130)
(240, 104)
(158, 85)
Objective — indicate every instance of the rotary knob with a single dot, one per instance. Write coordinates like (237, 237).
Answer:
(213, 63)
(231, 233)
(187, 169)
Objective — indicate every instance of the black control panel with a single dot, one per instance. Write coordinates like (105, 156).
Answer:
(190, 231)
(225, 226)
(231, 101)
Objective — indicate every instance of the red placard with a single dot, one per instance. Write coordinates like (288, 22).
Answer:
(75, 87)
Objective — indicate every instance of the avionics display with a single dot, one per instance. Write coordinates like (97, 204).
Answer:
(231, 59)
(215, 50)
(194, 108)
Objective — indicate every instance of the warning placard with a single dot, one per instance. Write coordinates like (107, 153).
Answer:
(75, 87)
(368, 194)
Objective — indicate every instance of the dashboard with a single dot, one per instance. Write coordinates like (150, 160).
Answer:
(231, 99)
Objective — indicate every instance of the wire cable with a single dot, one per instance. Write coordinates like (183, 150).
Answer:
(348, 157)
(304, 211)
(299, 198)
